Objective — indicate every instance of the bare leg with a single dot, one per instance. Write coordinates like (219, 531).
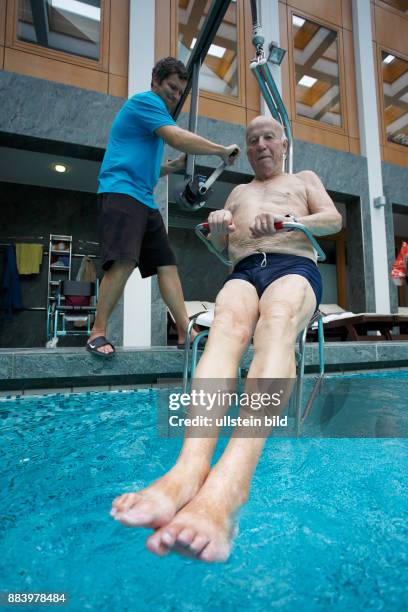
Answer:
(172, 294)
(112, 286)
(204, 527)
(236, 315)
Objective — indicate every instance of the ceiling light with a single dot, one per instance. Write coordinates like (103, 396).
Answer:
(298, 21)
(214, 50)
(307, 81)
(61, 168)
(388, 59)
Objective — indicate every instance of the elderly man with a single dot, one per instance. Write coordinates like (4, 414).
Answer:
(271, 295)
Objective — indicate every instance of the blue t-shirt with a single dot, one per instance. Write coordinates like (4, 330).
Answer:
(132, 160)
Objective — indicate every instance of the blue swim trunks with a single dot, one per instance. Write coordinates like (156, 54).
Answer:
(263, 269)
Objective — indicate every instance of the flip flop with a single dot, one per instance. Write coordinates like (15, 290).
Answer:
(93, 345)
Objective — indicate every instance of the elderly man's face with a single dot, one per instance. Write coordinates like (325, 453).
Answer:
(266, 146)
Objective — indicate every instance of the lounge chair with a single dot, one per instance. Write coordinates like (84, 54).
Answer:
(368, 326)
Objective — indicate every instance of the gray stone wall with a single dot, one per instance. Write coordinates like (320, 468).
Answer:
(46, 110)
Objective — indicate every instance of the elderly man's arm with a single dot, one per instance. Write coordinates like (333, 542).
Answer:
(324, 218)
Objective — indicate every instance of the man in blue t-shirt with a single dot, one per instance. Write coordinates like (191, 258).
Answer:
(132, 230)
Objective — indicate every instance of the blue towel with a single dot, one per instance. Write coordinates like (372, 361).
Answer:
(11, 282)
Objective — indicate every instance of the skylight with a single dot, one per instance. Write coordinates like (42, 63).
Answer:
(297, 21)
(214, 50)
(307, 81)
(388, 59)
(76, 7)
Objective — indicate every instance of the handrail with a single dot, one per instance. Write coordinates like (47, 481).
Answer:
(279, 226)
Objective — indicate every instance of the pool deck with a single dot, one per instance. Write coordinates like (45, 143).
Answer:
(74, 369)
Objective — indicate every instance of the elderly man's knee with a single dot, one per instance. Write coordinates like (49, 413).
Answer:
(232, 326)
(279, 319)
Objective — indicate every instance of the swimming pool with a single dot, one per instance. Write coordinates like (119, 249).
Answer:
(325, 527)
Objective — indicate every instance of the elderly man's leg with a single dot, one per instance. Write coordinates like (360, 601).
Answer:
(112, 286)
(235, 317)
(204, 526)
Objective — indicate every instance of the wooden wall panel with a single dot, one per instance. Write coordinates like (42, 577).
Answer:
(53, 70)
(162, 29)
(1, 58)
(118, 86)
(379, 93)
(10, 11)
(391, 30)
(242, 63)
(350, 85)
(347, 14)
(214, 109)
(319, 136)
(119, 38)
(251, 86)
(372, 7)
(2, 22)
(329, 11)
(355, 146)
(393, 156)
(250, 114)
(284, 25)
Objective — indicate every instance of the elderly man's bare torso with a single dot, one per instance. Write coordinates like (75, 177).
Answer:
(281, 195)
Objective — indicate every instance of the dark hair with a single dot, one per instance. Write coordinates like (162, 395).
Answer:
(167, 66)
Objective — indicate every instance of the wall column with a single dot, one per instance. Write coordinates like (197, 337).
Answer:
(370, 146)
(269, 19)
(137, 295)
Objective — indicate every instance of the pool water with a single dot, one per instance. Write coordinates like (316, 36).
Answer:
(325, 527)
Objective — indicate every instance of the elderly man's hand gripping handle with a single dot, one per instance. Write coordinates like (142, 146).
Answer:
(264, 224)
(221, 224)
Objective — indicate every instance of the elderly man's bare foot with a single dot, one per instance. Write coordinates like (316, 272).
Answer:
(203, 529)
(156, 505)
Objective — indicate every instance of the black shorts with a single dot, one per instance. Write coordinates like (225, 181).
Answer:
(130, 230)
(262, 271)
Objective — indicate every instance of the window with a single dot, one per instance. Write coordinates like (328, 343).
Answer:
(395, 90)
(316, 59)
(400, 5)
(219, 72)
(71, 26)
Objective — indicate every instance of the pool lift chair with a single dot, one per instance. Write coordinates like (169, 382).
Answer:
(191, 199)
(193, 191)
(204, 319)
(75, 301)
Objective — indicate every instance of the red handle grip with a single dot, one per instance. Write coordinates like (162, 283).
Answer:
(205, 225)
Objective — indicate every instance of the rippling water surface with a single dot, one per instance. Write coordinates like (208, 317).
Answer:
(325, 527)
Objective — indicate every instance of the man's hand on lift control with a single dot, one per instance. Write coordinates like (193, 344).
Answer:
(230, 154)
